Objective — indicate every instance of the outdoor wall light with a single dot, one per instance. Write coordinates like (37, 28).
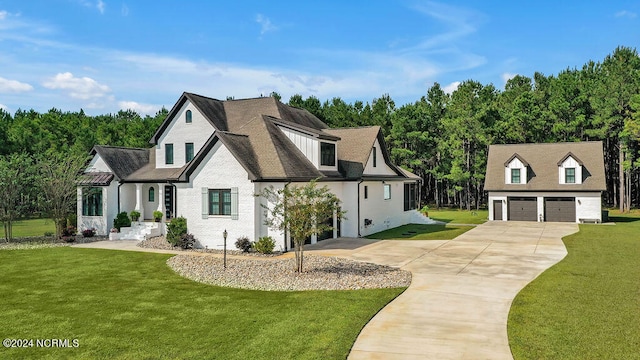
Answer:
(579, 202)
(224, 235)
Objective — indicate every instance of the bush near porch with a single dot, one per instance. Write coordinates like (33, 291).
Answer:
(130, 305)
(588, 305)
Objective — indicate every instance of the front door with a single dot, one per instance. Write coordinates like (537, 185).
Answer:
(169, 202)
(497, 209)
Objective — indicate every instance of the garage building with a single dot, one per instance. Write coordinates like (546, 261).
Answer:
(556, 182)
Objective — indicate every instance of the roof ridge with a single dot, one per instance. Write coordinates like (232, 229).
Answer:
(123, 147)
(551, 143)
(354, 127)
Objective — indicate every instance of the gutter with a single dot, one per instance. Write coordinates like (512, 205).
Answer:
(361, 181)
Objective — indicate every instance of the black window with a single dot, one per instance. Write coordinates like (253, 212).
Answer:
(92, 201)
(515, 176)
(570, 175)
(188, 151)
(410, 196)
(168, 153)
(375, 157)
(152, 194)
(366, 192)
(327, 154)
(187, 117)
(219, 201)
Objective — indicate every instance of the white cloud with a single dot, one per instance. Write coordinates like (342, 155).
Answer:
(625, 13)
(449, 89)
(100, 5)
(140, 108)
(83, 88)
(4, 107)
(3, 15)
(266, 25)
(13, 86)
(507, 76)
(124, 10)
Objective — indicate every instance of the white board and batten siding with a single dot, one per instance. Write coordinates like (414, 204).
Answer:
(307, 144)
(570, 162)
(515, 164)
(588, 204)
(180, 132)
(218, 170)
(381, 167)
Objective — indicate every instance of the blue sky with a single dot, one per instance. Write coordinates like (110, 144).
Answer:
(103, 55)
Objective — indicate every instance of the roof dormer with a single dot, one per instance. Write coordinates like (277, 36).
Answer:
(570, 170)
(515, 170)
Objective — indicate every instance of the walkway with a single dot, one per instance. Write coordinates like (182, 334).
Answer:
(459, 299)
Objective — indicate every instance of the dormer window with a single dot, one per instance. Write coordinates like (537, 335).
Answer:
(188, 117)
(515, 176)
(327, 154)
(570, 170)
(375, 160)
(570, 175)
(515, 170)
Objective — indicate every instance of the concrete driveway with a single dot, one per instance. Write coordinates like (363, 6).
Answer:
(461, 291)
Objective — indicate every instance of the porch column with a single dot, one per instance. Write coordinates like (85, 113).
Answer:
(161, 200)
(139, 206)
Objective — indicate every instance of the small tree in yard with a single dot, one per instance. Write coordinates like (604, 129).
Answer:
(58, 176)
(301, 211)
(16, 190)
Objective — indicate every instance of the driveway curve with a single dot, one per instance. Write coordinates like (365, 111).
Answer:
(459, 299)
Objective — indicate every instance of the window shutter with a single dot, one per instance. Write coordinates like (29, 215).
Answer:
(205, 203)
(234, 203)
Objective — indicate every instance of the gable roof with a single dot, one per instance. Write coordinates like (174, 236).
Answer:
(516, 156)
(543, 160)
(249, 128)
(355, 147)
(570, 154)
(121, 160)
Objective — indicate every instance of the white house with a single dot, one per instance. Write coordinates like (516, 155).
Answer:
(210, 157)
(546, 182)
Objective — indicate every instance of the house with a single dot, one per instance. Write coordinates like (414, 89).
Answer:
(546, 182)
(209, 158)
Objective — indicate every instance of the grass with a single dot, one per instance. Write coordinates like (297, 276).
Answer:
(31, 228)
(130, 305)
(421, 232)
(455, 216)
(588, 305)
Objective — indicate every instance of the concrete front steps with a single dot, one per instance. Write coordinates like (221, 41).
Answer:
(139, 230)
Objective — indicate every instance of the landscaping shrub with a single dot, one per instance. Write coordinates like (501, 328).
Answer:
(135, 215)
(89, 232)
(157, 215)
(121, 220)
(187, 241)
(243, 243)
(175, 229)
(69, 231)
(264, 245)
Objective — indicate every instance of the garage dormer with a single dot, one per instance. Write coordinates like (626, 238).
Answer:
(570, 170)
(515, 170)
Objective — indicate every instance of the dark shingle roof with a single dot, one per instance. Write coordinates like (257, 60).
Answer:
(122, 161)
(95, 179)
(249, 129)
(543, 160)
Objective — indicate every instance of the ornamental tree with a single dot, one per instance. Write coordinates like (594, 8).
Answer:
(301, 211)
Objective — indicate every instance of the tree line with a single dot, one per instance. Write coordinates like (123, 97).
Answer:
(442, 137)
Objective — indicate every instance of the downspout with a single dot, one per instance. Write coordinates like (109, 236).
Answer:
(119, 184)
(359, 207)
(286, 232)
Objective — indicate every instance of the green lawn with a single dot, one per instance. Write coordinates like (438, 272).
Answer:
(31, 228)
(459, 216)
(130, 305)
(421, 232)
(588, 305)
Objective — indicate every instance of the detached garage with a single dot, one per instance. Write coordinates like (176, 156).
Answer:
(560, 182)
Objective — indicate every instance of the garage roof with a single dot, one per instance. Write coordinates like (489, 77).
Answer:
(542, 170)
